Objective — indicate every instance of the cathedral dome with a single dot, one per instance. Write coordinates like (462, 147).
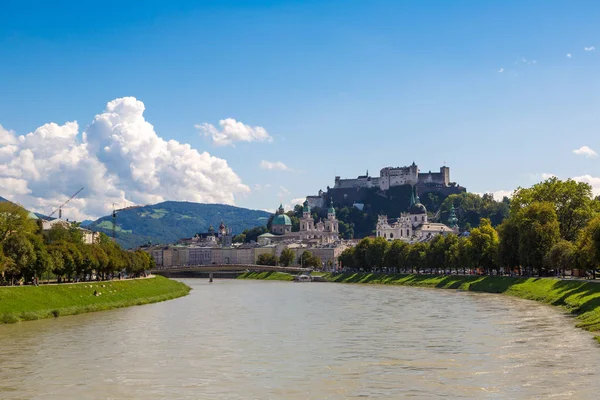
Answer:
(417, 208)
(282, 219)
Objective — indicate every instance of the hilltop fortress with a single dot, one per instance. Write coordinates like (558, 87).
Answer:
(350, 191)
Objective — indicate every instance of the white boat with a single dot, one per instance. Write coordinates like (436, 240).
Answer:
(303, 278)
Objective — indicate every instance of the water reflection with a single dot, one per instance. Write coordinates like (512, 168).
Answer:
(275, 340)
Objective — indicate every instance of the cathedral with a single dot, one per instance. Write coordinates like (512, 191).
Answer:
(413, 226)
(324, 231)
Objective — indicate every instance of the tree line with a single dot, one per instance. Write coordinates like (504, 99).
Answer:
(287, 258)
(552, 228)
(29, 254)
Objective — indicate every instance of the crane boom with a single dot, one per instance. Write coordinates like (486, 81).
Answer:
(64, 204)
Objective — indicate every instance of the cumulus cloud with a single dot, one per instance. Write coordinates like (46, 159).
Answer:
(591, 48)
(568, 55)
(233, 131)
(594, 182)
(298, 200)
(274, 165)
(585, 151)
(119, 158)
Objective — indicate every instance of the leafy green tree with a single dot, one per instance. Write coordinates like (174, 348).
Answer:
(43, 261)
(417, 256)
(14, 219)
(436, 254)
(571, 200)
(538, 232)
(308, 260)
(483, 249)
(241, 238)
(453, 256)
(587, 256)
(346, 259)
(508, 248)
(395, 257)
(21, 252)
(375, 253)
(267, 259)
(360, 254)
(561, 256)
(286, 258)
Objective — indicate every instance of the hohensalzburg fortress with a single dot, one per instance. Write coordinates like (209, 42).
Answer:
(397, 176)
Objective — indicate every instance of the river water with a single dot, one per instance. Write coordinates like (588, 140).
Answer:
(280, 340)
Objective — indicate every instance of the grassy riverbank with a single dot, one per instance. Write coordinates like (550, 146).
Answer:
(26, 303)
(578, 297)
(267, 276)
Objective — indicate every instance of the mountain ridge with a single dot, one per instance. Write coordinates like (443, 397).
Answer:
(166, 222)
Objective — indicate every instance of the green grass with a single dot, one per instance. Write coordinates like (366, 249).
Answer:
(25, 303)
(267, 276)
(578, 297)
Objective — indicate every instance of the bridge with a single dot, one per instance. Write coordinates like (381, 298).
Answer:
(229, 268)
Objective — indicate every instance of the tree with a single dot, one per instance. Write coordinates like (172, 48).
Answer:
(14, 219)
(360, 254)
(587, 256)
(241, 238)
(416, 257)
(483, 248)
(395, 257)
(375, 253)
(346, 259)
(562, 256)
(508, 248)
(20, 251)
(538, 232)
(267, 259)
(43, 261)
(436, 256)
(571, 200)
(308, 260)
(286, 258)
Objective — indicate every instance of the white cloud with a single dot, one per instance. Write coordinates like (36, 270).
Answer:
(501, 70)
(7, 137)
(233, 131)
(568, 55)
(585, 151)
(274, 165)
(594, 182)
(591, 48)
(547, 175)
(298, 200)
(119, 158)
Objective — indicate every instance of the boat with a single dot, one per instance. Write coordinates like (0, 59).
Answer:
(303, 278)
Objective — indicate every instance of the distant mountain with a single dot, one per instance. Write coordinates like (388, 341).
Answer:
(86, 223)
(167, 222)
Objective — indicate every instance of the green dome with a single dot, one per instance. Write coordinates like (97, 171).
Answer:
(331, 210)
(282, 219)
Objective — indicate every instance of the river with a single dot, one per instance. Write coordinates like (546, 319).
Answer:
(280, 340)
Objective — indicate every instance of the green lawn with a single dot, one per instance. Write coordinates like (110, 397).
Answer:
(267, 276)
(29, 302)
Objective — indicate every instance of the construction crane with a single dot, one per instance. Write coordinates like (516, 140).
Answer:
(59, 209)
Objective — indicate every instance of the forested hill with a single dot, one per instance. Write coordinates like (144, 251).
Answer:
(169, 221)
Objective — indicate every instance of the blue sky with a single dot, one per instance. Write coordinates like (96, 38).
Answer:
(338, 86)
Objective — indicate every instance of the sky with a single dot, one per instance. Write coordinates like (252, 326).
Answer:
(256, 103)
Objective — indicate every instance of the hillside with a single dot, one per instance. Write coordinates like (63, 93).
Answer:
(169, 221)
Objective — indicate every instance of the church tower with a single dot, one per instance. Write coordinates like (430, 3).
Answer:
(306, 223)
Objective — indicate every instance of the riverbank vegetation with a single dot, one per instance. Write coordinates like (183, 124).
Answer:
(267, 276)
(30, 254)
(553, 229)
(26, 303)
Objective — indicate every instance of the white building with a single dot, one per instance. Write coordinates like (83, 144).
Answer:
(412, 226)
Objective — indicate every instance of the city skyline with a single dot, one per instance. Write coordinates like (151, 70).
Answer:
(261, 103)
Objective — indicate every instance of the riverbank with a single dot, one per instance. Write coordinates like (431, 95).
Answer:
(25, 303)
(577, 297)
(267, 276)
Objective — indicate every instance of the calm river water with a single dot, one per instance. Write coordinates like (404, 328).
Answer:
(279, 340)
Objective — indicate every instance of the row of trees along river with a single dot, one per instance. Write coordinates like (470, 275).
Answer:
(553, 227)
(27, 253)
